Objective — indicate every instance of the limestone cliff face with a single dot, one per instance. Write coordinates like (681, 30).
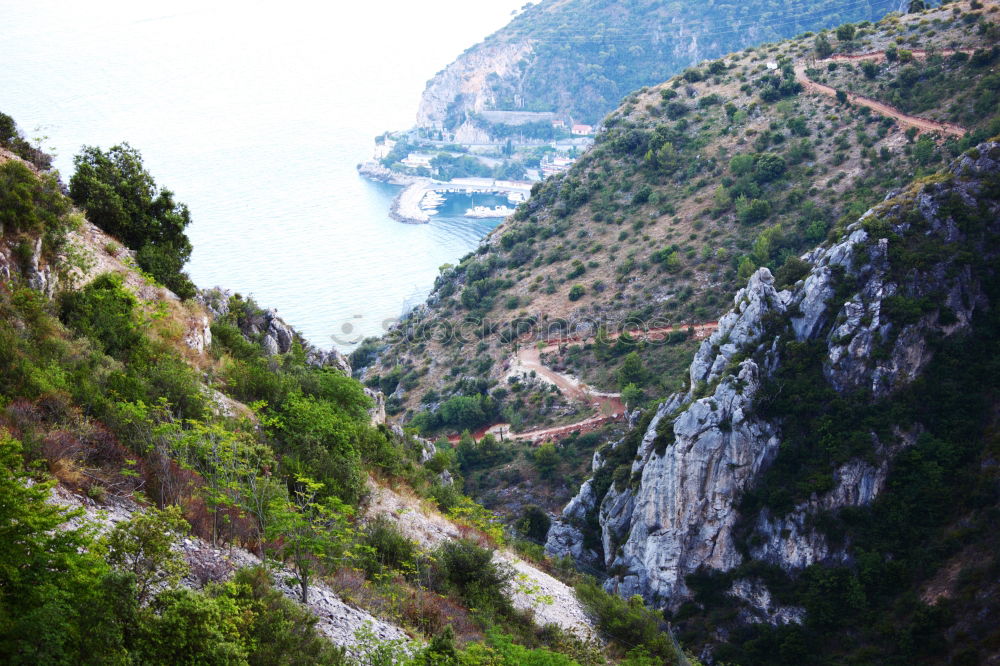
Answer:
(705, 448)
(462, 88)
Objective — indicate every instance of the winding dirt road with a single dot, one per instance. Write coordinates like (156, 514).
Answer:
(606, 407)
(922, 124)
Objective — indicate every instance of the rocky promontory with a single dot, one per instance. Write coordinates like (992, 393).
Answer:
(675, 509)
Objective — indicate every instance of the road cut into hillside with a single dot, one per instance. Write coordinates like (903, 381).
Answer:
(921, 124)
(606, 407)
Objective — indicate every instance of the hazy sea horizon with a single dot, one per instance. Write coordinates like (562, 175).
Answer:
(255, 115)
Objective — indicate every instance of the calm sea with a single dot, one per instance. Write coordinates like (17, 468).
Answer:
(255, 114)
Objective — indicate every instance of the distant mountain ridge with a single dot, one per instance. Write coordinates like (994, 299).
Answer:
(579, 58)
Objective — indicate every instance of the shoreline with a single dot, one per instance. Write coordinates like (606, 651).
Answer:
(406, 208)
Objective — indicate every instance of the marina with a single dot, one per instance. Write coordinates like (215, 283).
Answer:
(419, 200)
(484, 211)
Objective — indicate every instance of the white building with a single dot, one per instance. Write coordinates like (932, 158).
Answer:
(417, 160)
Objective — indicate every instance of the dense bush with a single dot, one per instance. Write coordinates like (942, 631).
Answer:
(469, 571)
(628, 622)
(385, 549)
(122, 198)
(64, 604)
(11, 139)
(105, 312)
(32, 204)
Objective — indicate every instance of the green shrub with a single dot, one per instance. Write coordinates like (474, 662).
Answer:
(628, 622)
(576, 292)
(122, 198)
(469, 571)
(752, 211)
(33, 204)
(534, 522)
(104, 311)
(385, 548)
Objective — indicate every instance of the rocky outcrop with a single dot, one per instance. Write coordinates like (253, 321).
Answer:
(899, 278)
(461, 87)
(38, 275)
(376, 171)
(549, 600)
(565, 537)
(377, 411)
(760, 608)
(271, 332)
(199, 334)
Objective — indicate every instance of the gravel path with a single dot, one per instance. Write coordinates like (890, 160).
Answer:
(922, 124)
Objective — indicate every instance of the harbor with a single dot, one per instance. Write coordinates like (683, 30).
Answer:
(419, 200)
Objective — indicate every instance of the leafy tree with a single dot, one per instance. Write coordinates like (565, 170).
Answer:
(323, 442)
(142, 547)
(741, 164)
(312, 530)
(279, 631)
(822, 46)
(546, 459)
(464, 411)
(768, 167)
(122, 198)
(30, 203)
(751, 211)
(745, 269)
(47, 579)
(182, 626)
(486, 452)
(632, 371)
(846, 32)
(632, 395)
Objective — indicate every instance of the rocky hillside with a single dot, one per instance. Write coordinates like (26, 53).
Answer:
(735, 164)
(579, 58)
(188, 481)
(831, 471)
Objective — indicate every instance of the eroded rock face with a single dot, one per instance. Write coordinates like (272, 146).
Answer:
(760, 607)
(684, 513)
(39, 276)
(273, 333)
(712, 445)
(377, 412)
(199, 334)
(461, 86)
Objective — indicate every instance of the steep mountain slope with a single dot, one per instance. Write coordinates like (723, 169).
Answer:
(579, 58)
(837, 433)
(188, 481)
(694, 184)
